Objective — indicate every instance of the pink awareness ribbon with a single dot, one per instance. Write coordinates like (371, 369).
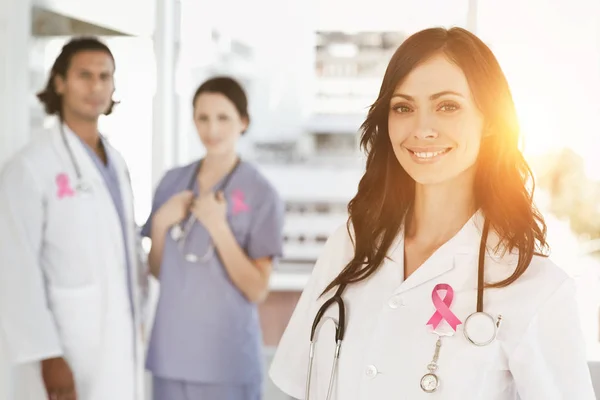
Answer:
(237, 197)
(442, 307)
(63, 186)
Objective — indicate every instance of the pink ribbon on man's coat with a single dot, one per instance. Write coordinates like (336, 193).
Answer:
(63, 186)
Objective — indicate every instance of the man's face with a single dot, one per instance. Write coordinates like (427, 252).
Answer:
(88, 86)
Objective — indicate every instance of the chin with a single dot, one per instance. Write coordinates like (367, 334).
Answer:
(429, 179)
(437, 176)
(92, 115)
(217, 150)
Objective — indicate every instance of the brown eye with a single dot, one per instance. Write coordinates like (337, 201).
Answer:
(402, 108)
(449, 107)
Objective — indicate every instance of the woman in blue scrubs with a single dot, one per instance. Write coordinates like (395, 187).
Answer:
(216, 228)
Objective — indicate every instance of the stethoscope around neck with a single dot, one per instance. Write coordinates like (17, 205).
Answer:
(476, 318)
(81, 186)
(180, 232)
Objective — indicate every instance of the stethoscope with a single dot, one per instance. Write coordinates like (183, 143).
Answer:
(479, 318)
(181, 231)
(81, 186)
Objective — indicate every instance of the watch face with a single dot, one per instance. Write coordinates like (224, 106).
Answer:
(429, 383)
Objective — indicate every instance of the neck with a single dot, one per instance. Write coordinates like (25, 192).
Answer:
(87, 130)
(441, 210)
(216, 165)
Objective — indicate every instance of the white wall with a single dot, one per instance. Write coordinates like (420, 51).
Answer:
(285, 47)
(389, 15)
(281, 73)
(14, 76)
(14, 95)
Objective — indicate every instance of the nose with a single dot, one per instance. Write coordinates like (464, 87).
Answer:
(97, 85)
(424, 128)
(212, 130)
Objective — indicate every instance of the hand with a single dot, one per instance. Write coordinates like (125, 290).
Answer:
(58, 379)
(210, 210)
(175, 209)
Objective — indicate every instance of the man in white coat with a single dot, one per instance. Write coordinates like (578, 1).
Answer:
(71, 279)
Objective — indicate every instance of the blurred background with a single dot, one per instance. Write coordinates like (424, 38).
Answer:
(311, 69)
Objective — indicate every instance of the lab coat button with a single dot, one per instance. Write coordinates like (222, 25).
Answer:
(395, 302)
(371, 371)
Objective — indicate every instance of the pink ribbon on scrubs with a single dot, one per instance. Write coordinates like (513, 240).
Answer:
(442, 307)
(239, 205)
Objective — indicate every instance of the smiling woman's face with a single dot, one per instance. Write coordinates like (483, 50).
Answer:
(434, 125)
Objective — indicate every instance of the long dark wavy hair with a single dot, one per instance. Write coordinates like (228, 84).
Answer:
(504, 182)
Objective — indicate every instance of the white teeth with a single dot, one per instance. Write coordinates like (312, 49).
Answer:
(429, 154)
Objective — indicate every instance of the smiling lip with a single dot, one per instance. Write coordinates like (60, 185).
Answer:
(427, 155)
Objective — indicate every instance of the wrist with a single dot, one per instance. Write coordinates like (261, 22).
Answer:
(48, 362)
(159, 223)
(217, 228)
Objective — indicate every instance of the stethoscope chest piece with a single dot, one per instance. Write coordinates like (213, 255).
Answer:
(176, 232)
(83, 187)
(191, 258)
(481, 329)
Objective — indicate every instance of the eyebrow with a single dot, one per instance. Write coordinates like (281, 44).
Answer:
(432, 97)
(87, 70)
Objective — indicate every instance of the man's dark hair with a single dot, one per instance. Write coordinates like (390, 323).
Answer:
(51, 100)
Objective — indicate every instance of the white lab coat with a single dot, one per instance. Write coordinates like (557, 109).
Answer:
(539, 352)
(63, 282)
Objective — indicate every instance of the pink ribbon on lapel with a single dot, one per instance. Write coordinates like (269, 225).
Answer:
(237, 197)
(442, 307)
(63, 186)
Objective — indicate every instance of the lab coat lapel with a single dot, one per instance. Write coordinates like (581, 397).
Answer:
(89, 172)
(107, 215)
(136, 272)
(126, 193)
(457, 252)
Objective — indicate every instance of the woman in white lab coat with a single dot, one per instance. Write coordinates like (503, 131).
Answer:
(444, 206)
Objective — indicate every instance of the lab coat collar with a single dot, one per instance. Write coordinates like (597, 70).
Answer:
(89, 171)
(461, 250)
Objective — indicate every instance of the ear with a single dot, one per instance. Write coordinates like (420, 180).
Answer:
(245, 124)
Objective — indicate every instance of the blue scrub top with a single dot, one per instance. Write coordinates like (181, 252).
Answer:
(111, 179)
(205, 330)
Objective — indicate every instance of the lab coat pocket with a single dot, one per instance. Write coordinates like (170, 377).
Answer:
(468, 369)
(79, 318)
(464, 366)
(480, 366)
